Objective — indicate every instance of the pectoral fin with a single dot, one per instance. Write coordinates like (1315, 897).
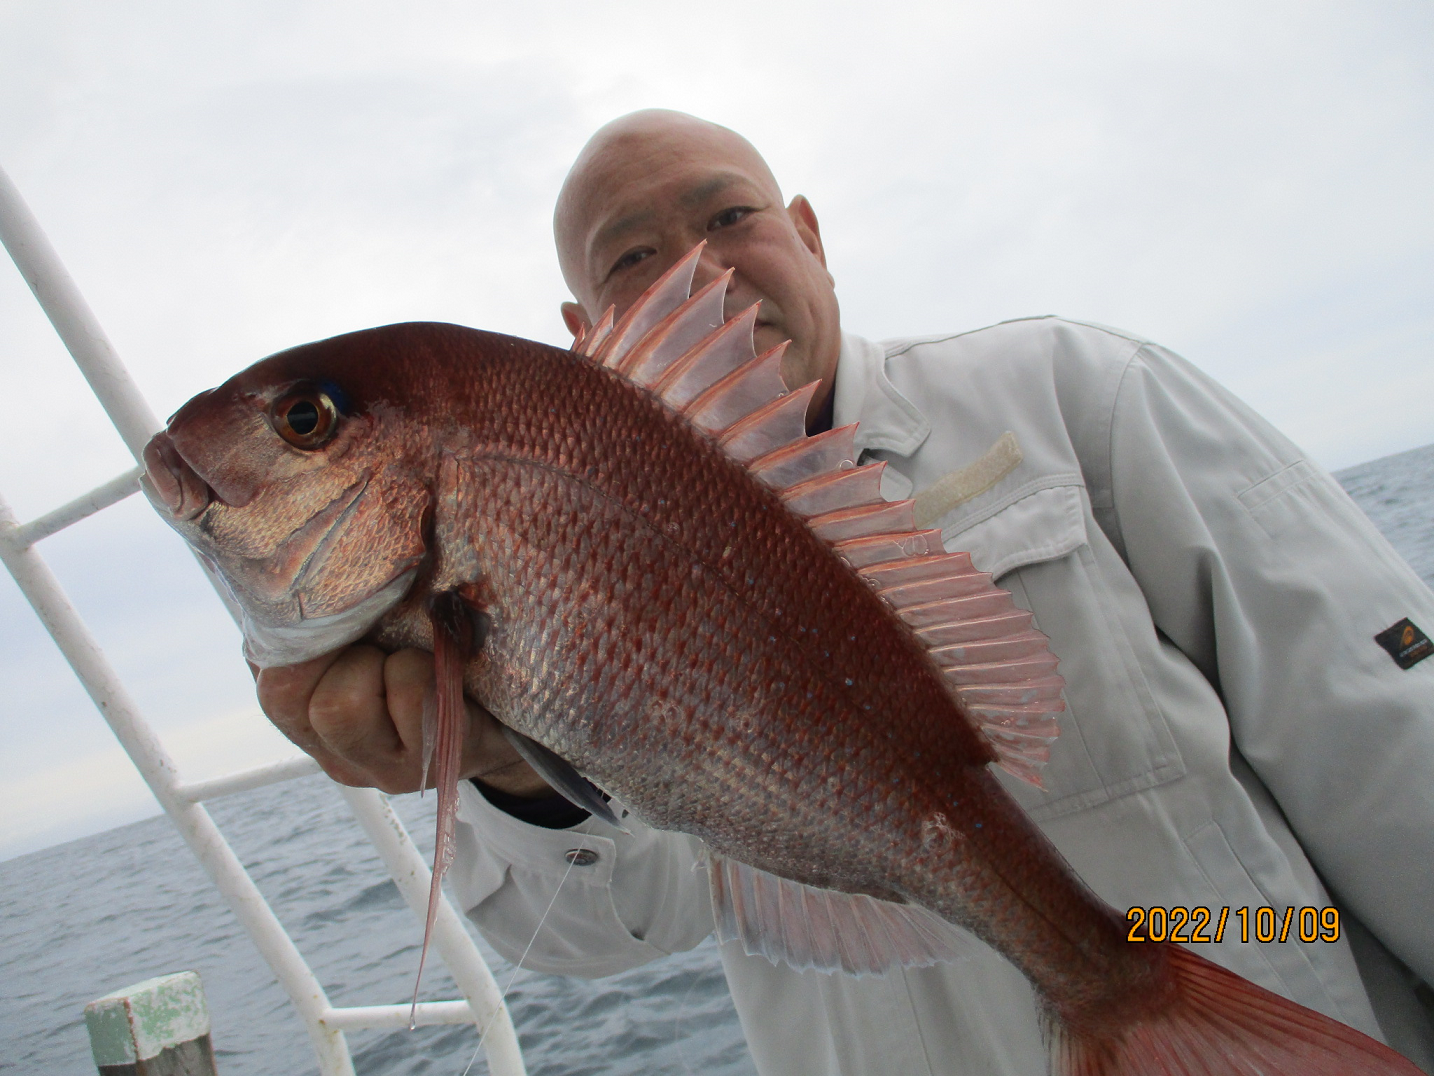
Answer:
(574, 787)
(452, 645)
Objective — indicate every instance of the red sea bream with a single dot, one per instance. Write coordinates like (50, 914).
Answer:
(632, 554)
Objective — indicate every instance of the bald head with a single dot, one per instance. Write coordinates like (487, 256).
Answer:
(632, 148)
(650, 186)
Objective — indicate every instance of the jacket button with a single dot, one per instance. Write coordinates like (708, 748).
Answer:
(581, 857)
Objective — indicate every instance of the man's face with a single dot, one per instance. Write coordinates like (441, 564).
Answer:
(643, 198)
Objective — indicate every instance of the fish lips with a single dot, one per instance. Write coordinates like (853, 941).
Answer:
(170, 483)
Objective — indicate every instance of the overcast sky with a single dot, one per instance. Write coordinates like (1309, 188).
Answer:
(1247, 182)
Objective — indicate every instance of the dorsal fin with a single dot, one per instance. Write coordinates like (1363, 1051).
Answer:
(588, 342)
(666, 295)
(807, 457)
(995, 663)
(677, 334)
(725, 350)
(740, 393)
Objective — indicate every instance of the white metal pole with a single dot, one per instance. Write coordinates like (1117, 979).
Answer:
(396, 1017)
(73, 320)
(43, 591)
(469, 969)
(269, 773)
(92, 351)
(82, 507)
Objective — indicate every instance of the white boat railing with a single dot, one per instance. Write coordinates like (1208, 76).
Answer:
(482, 1001)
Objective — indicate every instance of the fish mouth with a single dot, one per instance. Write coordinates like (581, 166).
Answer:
(170, 481)
(279, 577)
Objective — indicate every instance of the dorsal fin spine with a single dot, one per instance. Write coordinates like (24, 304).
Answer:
(779, 423)
(725, 350)
(837, 490)
(677, 334)
(740, 393)
(666, 294)
(593, 338)
(807, 457)
(882, 548)
(882, 517)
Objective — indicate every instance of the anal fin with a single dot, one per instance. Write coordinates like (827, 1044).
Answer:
(804, 927)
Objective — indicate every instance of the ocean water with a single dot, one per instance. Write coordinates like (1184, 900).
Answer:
(93, 915)
(1397, 493)
(90, 916)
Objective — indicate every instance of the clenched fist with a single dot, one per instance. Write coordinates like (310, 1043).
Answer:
(359, 713)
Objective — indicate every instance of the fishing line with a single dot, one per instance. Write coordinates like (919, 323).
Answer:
(518, 967)
(681, 1015)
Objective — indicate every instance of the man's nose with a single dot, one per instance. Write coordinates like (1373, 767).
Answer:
(740, 294)
(709, 267)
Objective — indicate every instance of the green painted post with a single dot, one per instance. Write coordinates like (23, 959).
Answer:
(159, 1027)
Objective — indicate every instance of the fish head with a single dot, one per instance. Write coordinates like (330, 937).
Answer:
(301, 483)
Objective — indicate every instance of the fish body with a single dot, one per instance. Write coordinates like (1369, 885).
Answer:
(635, 590)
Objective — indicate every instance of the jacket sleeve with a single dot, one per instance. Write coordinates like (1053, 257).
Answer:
(1260, 568)
(587, 901)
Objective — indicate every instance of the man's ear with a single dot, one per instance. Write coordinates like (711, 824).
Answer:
(576, 319)
(804, 218)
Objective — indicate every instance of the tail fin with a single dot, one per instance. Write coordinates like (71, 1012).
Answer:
(1222, 1025)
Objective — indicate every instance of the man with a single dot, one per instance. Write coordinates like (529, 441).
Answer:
(1235, 737)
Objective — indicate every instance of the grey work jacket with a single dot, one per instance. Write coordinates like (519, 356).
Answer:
(1234, 736)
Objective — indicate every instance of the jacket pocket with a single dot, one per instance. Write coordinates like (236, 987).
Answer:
(1286, 967)
(1114, 738)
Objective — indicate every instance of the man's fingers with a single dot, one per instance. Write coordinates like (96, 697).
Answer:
(408, 682)
(284, 696)
(408, 677)
(359, 713)
(349, 712)
(488, 756)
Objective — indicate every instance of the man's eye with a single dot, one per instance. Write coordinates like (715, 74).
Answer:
(631, 258)
(729, 217)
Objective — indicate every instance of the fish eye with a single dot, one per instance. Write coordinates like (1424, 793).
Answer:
(306, 419)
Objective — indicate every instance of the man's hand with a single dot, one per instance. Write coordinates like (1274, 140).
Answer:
(359, 713)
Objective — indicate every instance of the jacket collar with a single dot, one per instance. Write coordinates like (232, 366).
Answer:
(889, 421)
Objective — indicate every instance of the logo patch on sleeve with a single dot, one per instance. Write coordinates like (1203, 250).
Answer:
(1406, 644)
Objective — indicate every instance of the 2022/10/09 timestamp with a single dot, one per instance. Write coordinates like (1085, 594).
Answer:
(1181, 924)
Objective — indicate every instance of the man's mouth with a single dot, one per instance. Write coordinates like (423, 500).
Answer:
(772, 329)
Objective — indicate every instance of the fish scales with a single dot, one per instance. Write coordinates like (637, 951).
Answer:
(640, 582)
(653, 613)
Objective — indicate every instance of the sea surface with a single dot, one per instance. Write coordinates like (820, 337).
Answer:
(84, 918)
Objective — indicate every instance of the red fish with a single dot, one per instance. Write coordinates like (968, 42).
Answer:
(632, 555)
